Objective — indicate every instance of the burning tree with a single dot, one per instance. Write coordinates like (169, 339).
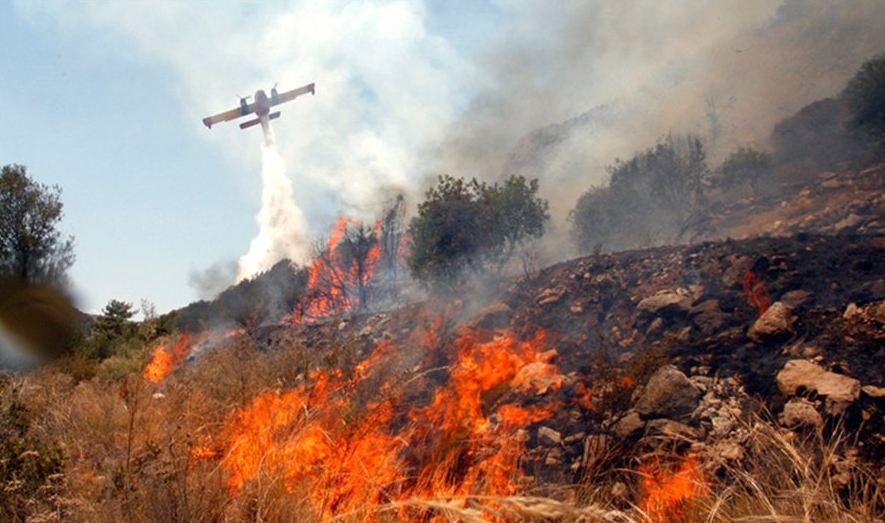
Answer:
(340, 276)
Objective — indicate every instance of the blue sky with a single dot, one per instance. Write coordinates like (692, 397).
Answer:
(149, 194)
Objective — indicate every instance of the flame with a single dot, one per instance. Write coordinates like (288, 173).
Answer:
(162, 360)
(755, 291)
(345, 453)
(331, 284)
(670, 492)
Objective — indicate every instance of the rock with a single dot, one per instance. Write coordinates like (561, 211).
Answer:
(668, 394)
(839, 390)
(666, 303)
(874, 391)
(630, 424)
(850, 222)
(796, 298)
(654, 326)
(722, 424)
(548, 296)
(670, 429)
(549, 436)
(775, 324)
(729, 450)
(799, 412)
(495, 316)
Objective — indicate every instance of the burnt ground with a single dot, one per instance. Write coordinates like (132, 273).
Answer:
(631, 314)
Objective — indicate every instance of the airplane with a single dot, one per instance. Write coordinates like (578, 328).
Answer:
(260, 107)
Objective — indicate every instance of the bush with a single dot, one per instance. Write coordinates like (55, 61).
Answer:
(745, 166)
(865, 95)
(658, 195)
(471, 227)
(30, 469)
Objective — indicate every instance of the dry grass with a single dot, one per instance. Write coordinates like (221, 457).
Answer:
(129, 459)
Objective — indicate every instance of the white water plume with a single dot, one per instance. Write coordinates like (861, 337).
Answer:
(282, 228)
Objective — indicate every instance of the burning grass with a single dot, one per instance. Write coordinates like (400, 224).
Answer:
(346, 453)
(374, 442)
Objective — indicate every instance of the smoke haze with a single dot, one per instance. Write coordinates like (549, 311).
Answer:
(557, 91)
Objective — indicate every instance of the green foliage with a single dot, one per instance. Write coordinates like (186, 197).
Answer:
(865, 95)
(658, 195)
(745, 166)
(471, 226)
(31, 248)
(30, 469)
(114, 319)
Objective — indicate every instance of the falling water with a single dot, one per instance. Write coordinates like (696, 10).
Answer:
(282, 228)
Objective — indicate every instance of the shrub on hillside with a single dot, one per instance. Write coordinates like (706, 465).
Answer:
(467, 227)
(865, 95)
(746, 166)
(656, 196)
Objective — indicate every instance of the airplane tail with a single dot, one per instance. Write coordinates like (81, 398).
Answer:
(250, 123)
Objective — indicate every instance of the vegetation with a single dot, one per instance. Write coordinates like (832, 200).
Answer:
(465, 227)
(32, 250)
(656, 196)
(746, 166)
(865, 95)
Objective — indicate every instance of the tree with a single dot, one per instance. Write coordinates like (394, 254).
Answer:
(865, 95)
(32, 250)
(658, 195)
(114, 319)
(745, 166)
(470, 226)
(357, 255)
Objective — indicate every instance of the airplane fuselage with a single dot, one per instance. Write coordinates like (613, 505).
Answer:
(262, 103)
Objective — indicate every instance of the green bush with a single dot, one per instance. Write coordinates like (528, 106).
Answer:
(469, 227)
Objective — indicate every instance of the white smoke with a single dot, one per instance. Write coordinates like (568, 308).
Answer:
(282, 229)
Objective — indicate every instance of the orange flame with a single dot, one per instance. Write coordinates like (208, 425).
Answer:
(669, 493)
(162, 361)
(755, 291)
(346, 454)
(330, 283)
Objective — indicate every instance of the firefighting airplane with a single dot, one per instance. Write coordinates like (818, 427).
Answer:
(260, 107)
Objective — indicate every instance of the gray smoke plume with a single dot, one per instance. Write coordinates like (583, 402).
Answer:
(600, 80)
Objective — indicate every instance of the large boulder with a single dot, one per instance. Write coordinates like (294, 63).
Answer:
(775, 324)
(668, 394)
(838, 390)
(675, 302)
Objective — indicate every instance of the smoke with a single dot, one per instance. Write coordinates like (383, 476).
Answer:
(551, 90)
(282, 229)
(604, 80)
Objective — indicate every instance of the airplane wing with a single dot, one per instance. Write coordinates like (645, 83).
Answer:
(209, 121)
(288, 96)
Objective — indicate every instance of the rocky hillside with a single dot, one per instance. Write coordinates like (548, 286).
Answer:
(677, 345)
